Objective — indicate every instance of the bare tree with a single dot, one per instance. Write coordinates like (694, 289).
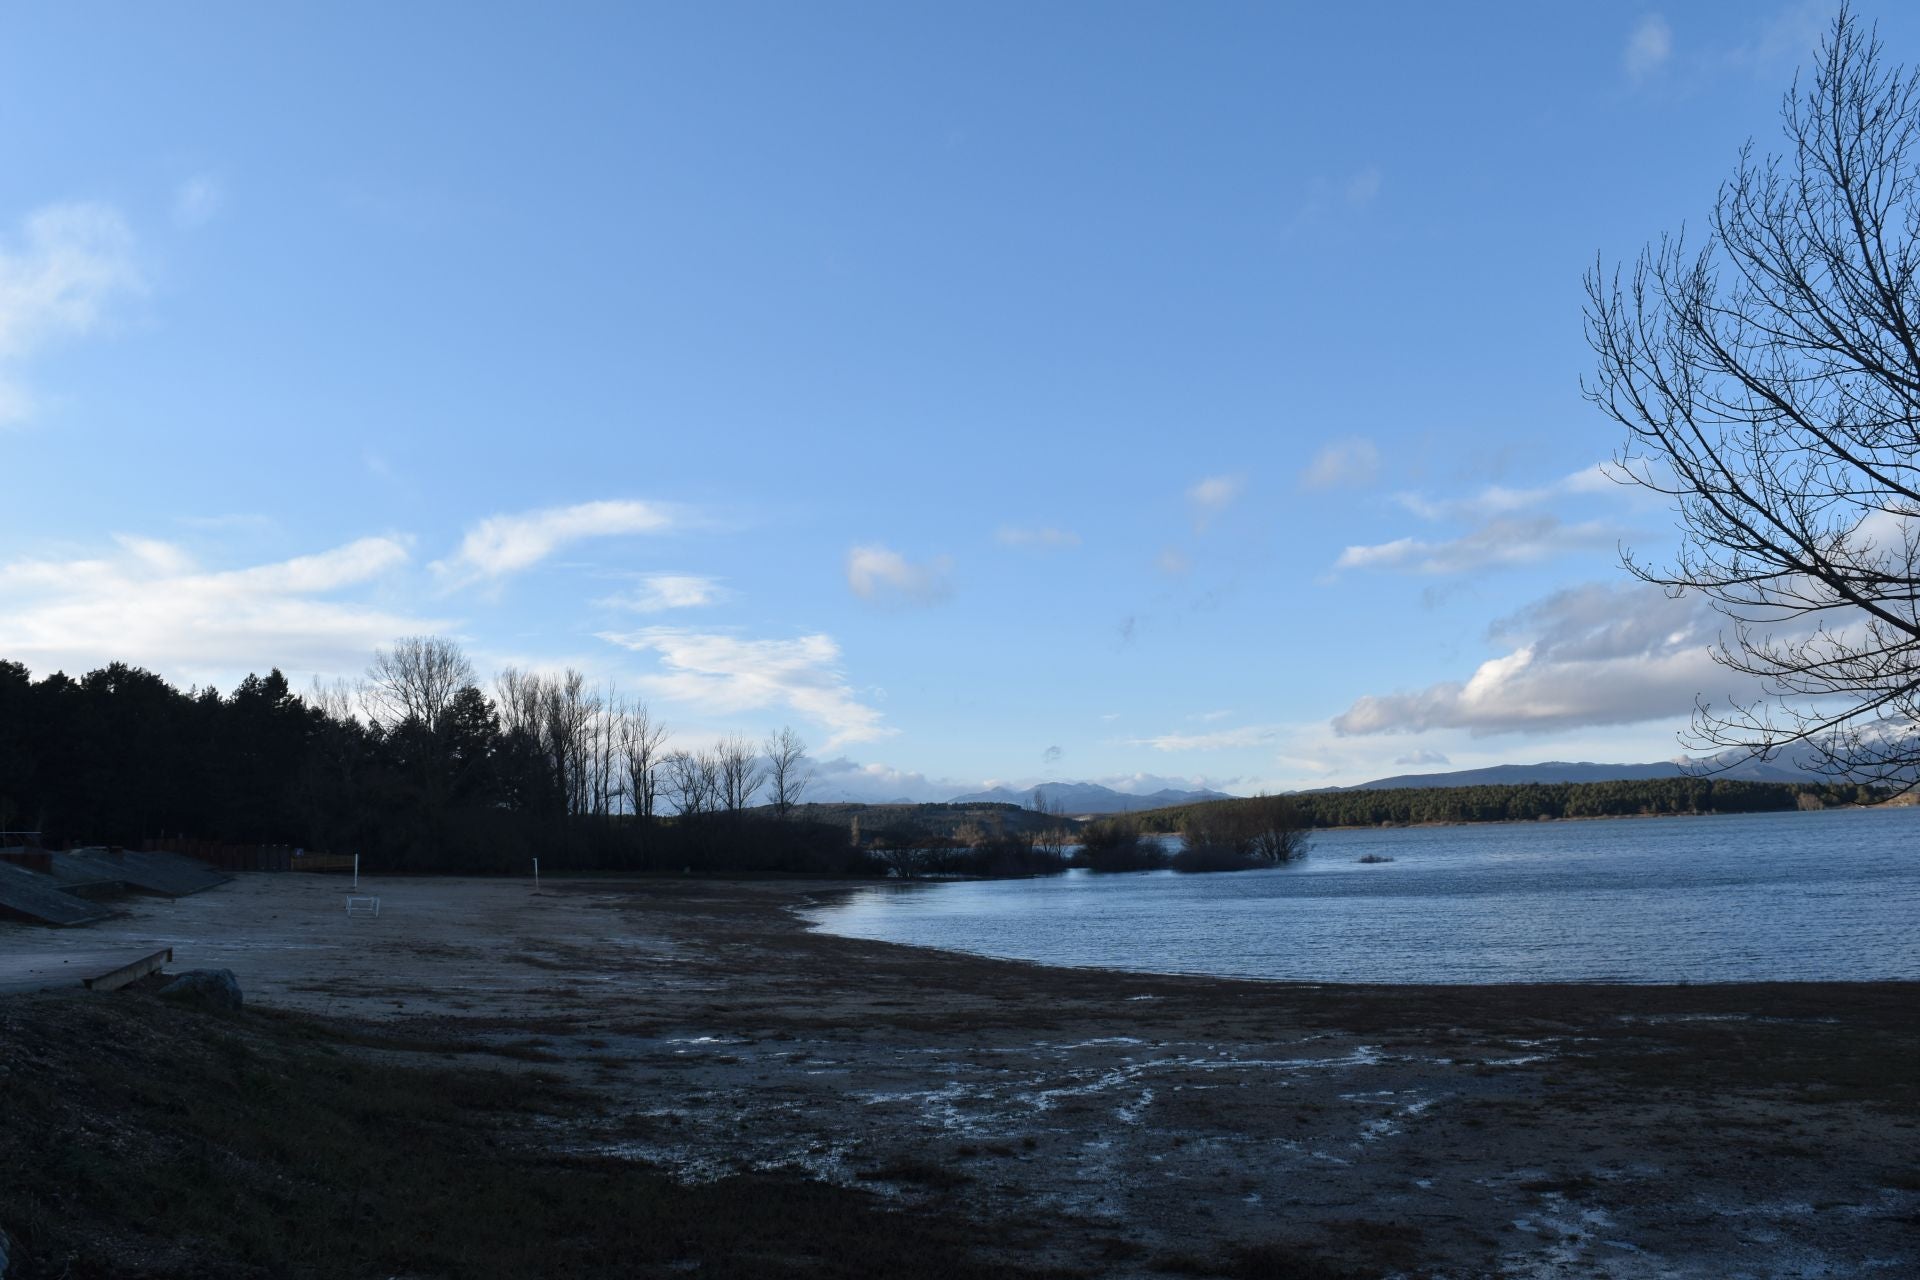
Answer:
(1769, 381)
(787, 775)
(336, 699)
(641, 742)
(415, 680)
(740, 772)
(517, 697)
(568, 711)
(1275, 830)
(692, 782)
(1055, 838)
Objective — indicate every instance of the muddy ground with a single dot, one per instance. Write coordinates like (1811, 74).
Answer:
(1127, 1122)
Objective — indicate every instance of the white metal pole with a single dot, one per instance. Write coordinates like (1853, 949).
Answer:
(356, 871)
(536, 875)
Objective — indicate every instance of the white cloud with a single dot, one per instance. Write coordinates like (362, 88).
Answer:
(877, 572)
(507, 544)
(1145, 784)
(68, 263)
(1602, 654)
(149, 603)
(1217, 740)
(1499, 543)
(1044, 538)
(1510, 529)
(196, 202)
(1648, 47)
(839, 778)
(1423, 756)
(1215, 493)
(1171, 561)
(724, 674)
(1498, 500)
(659, 592)
(1783, 38)
(1348, 463)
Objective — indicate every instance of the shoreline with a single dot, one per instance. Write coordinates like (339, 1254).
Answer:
(1124, 1122)
(823, 899)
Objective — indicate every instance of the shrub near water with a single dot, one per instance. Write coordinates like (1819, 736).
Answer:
(1241, 835)
(1209, 857)
(1114, 844)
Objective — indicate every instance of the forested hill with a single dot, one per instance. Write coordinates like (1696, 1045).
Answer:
(1652, 796)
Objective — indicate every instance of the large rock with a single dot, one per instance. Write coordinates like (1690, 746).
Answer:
(208, 988)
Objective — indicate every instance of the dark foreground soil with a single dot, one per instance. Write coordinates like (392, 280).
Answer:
(668, 1078)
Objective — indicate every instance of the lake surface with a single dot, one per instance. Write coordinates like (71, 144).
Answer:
(1780, 896)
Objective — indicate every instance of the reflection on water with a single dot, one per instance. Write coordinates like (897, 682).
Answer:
(1798, 896)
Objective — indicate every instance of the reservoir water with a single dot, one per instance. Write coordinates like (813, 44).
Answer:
(1830, 895)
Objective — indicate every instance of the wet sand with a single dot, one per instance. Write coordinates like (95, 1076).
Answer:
(1118, 1122)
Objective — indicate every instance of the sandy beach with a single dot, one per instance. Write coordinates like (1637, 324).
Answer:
(1115, 1122)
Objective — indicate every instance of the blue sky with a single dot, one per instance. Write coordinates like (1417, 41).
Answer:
(999, 393)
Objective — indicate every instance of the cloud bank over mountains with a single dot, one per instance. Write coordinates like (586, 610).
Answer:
(1598, 654)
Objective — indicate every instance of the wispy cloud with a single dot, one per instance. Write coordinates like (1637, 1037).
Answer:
(1498, 500)
(58, 277)
(723, 674)
(1509, 528)
(1505, 542)
(197, 201)
(1331, 197)
(839, 778)
(1649, 47)
(1209, 497)
(1215, 493)
(1044, 538)
(1214, 740)
(659, 592)
(1342, 464)
(149, 602)
(1422, 757)
(506, 544)
(876, 572)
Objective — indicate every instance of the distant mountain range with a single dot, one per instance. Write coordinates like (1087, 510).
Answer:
(1080, 798)
(1584, 771)
(1074, 798)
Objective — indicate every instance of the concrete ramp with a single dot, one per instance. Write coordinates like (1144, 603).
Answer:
(170, 875)
(28, 895)
(102, 970)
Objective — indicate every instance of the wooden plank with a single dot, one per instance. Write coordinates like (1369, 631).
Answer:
(133, 972)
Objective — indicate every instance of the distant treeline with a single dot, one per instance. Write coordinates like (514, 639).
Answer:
(940, 820)
(1529, 801)
(415, 769)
